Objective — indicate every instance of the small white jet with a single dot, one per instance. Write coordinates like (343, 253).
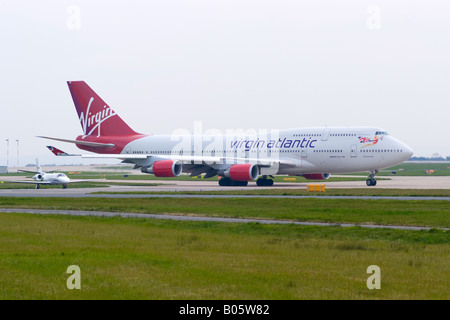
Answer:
(48, 178)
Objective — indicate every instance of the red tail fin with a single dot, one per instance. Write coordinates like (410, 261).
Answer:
(96, 117)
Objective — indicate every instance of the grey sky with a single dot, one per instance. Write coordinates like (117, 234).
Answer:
(239, 64)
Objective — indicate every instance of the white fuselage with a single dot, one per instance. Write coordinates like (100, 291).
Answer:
(52, 178)
(298, 151)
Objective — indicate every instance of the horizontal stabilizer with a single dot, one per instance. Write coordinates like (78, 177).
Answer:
(26, 171)
(59, 153)
(83, 143)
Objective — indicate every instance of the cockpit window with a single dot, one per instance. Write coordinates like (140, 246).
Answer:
(381, 133)
(59, 175)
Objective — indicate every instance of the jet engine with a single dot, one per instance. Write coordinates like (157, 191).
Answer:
(242, 172)
(164, 168)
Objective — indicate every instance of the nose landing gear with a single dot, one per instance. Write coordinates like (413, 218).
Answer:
(371, 182)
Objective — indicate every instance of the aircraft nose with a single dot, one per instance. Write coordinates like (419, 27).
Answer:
(407, 151)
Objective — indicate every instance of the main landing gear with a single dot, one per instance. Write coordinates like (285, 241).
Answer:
(371, 182)
(264, 182)
(227, 182)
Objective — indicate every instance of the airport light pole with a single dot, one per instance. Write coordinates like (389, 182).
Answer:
(17, 140)
(7, 153)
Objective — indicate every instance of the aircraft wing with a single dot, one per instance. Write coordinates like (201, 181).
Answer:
(32, 182)
(210, 165)
(49, 182)
(185, 159)
(201, 160)
(131, 157)
(77, 181)
(49, 171)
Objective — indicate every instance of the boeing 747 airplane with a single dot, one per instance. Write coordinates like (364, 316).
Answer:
(313, 153)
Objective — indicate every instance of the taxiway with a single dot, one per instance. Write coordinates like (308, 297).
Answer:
(116, 191)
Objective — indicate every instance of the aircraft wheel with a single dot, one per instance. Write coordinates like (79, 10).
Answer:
(225, 182)
(371, 182)
(264, 182)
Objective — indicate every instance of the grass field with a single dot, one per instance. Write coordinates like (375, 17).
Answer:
(153, 259)
(7, 185)
(433, 213)
(416, 169)
(149, 259)
(301, 191)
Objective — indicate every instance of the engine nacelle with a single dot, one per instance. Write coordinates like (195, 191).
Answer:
(242, 172)
(317, 176)
(164, 168)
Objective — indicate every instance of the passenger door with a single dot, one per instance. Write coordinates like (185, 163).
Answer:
(353, 151)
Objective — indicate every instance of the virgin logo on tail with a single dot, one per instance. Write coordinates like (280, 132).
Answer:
(90, 122)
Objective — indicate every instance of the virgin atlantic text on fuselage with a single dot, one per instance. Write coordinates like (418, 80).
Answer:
(281, 143)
